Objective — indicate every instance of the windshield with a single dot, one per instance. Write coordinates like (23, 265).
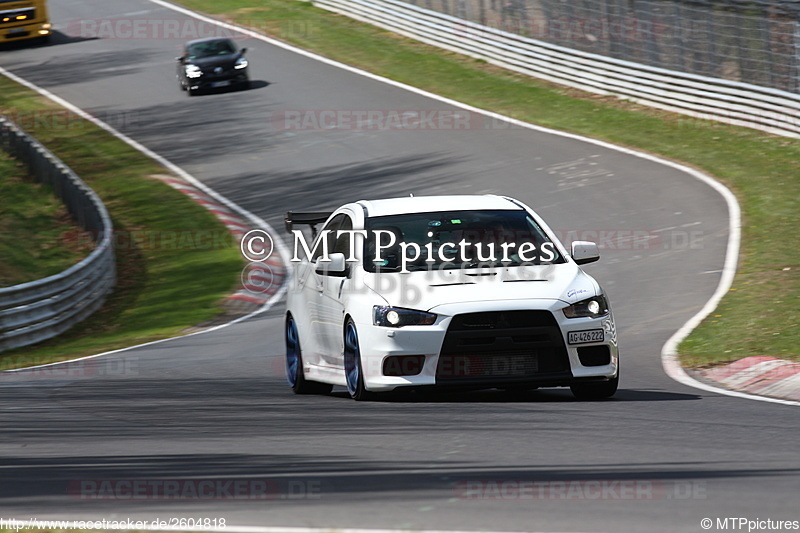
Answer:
(456, 239)
(210, 49)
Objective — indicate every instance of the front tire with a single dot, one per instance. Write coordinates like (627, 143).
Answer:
(294, 365)
(598, 390)
(353, 371)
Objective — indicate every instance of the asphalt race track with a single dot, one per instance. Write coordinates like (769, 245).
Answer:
(658, 457)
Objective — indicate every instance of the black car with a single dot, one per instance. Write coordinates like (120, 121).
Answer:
(210, 64)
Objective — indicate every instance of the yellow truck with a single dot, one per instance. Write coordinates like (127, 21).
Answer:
(24, 19)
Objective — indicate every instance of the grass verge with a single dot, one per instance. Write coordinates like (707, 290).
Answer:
(759, 315)
(168, 279)
(39, 238)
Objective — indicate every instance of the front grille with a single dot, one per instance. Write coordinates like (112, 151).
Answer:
(503, 346)
(17, 16)
(224, 73)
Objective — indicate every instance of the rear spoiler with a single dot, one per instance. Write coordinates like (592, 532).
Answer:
(310, 218)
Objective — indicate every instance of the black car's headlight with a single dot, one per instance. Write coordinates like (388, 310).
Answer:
(397, 317)
(193, 71)
(591, 307)
(240, 63)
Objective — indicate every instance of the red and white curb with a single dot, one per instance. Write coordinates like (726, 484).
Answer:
(260, 281)
(762, 375)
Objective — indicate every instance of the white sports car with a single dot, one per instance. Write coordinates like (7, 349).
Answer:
(446, 291)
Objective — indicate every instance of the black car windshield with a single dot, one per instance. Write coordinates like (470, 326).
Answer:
(210, 49)
(456, 239)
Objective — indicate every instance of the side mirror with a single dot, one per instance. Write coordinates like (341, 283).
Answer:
(584, 252)
(180, 59)
(242, 51)
(335, 267)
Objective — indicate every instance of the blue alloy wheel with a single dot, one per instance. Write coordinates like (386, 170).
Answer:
(292, 352)
(294, 364)
(352, 363)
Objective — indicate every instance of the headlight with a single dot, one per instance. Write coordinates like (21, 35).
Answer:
(397, 317)
(590, 307)
(241, 63)
(193, 71)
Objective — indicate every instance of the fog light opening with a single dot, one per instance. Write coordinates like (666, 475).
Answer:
(403, 365)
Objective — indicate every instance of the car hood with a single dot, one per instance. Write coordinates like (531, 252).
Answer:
(227, 61)
(428, 290)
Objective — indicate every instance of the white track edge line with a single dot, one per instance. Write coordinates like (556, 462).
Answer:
(255, 220)
(669, 351)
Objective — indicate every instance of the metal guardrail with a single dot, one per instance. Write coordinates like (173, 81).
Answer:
(742, 104)
(41, 309)
(750, 41)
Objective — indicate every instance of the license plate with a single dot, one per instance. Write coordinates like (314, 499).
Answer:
(582, 337)
(221, 83)
(16, 31)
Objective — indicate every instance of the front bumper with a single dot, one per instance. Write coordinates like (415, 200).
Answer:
(29, 31)
(529, 346)
(231, 78)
